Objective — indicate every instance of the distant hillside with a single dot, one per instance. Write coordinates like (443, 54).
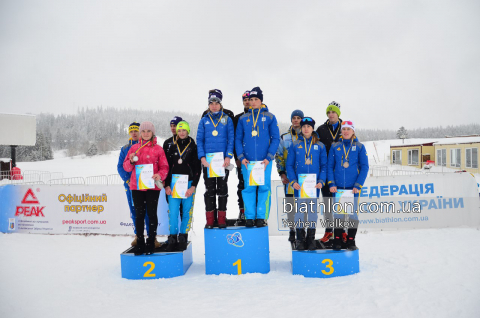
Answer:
(98, 130)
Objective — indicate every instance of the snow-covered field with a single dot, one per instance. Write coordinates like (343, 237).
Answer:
(431, 273)
(417, 273)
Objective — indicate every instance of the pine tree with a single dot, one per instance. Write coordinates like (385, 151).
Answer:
(402, 133)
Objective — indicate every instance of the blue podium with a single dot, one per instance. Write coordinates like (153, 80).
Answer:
(237, 250)
(325, 263)
(156, 265)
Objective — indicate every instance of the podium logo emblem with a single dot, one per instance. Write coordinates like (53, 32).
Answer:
(235, 239)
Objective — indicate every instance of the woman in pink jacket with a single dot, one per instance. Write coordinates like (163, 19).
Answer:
(144, 156)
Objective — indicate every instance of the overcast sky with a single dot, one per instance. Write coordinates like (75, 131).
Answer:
(388, 63)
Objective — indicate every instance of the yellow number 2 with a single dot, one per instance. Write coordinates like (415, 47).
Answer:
(147, 273)
(239, 264)
(329, 265)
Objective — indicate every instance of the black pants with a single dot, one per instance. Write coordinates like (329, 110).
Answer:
(215, 187)
(146, 202)
(240, 187)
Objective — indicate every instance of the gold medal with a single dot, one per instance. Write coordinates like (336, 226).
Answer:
(254, 133)
(215, 133)
(346, 165)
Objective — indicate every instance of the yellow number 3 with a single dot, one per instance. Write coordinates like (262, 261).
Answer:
(329, 265)
(152, 266)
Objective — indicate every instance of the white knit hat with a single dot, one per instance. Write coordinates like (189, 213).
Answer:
(348, 124)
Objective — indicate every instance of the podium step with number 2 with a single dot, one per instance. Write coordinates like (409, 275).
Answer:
(156, 265)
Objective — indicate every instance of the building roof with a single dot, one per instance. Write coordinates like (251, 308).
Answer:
(413, 145)
(457, 140)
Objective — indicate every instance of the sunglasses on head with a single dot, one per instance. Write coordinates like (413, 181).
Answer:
(347, 122)
(245, 95)
(307, 119)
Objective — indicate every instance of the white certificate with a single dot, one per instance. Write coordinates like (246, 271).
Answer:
(179, 186)
(256, 173)
(308, 183)
(215, 164)
(346, 198)
(144, 175)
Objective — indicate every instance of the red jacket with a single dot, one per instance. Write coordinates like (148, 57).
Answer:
(150, 154)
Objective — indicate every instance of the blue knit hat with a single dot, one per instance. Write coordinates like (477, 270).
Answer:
(298, 113)
(215, 95)
(133, 126)
(308, 121)
(246, 95)
(256, 92)
(175, 120)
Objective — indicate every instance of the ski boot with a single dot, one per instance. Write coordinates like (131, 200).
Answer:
(300, 242)
(172, 243)
(351, 246)
(210, 219)
(182, 241)
(139, 248)
(338, 242)
(260, 223)
(150, 247)
(222, 219)
(291, 236)
(310, 241)
(241, 218)
(249, 223)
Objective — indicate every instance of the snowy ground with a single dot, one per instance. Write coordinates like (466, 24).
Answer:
(418, 273)
(432, 273)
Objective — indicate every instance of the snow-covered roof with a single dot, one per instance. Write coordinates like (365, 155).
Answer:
(412, 142)
(457, 140)
(5, 159)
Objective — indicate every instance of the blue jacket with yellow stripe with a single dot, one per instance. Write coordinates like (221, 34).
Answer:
(296, 159)
(286, 141)
(262, 146)
(354, 176)
(224, 141)
(123, 153)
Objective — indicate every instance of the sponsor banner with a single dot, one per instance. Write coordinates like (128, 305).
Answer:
(70, 209)
(400, 202)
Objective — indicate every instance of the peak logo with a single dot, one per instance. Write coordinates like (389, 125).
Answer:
(30, 198)
(33, 199)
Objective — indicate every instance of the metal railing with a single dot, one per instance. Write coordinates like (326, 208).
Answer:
(67, 181)
(114, 179)
(55, 178)
(96, 180)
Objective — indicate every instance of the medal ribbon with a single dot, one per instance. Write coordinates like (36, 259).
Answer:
(296, 135)
(307, 154)
(332, 133)
(215, 125)
(141, 146)
(181, 152)
(346, 153)
(253, 116)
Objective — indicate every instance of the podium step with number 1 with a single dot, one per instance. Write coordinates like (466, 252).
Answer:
(237, 250)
